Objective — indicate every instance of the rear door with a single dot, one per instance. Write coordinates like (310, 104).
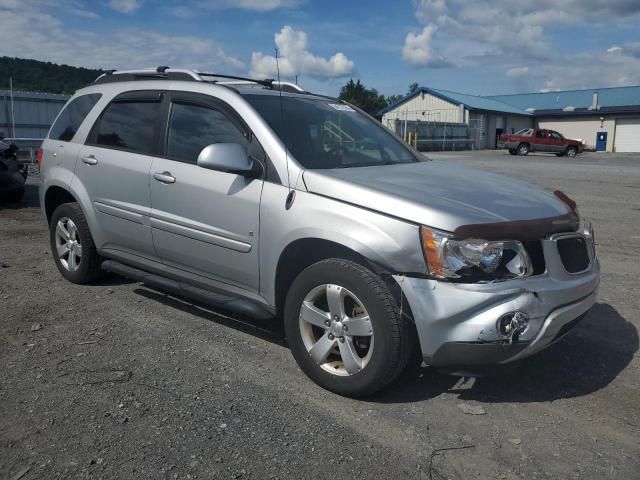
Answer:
(113, 167)
(204, 221)
(59, 148)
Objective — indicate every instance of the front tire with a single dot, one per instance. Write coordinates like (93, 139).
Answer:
(344, 328)
(571, 152)
(72, 245)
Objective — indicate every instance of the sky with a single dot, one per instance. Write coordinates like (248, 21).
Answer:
(482, 47)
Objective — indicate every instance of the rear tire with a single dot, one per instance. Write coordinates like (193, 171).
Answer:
(13, 197)
(382, 351)
(72, 245)
(523, 149)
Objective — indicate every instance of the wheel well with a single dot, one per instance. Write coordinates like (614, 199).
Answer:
(303, 253)
(524, 143)
(54, 197)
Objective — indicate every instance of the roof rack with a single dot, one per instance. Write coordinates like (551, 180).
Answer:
(167, 73)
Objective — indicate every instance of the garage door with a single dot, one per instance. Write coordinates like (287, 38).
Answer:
(628, 135)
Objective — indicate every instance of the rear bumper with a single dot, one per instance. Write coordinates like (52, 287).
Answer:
(456, 323)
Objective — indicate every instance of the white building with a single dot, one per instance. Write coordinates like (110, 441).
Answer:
(606, 119)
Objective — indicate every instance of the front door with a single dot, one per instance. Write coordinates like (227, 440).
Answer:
(204, 221)
(113, 168)
(539, 141)
(556, 142)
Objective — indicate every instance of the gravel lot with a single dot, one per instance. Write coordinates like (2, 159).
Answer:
(115, 380)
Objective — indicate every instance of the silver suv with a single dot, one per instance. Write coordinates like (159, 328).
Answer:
(266, 200)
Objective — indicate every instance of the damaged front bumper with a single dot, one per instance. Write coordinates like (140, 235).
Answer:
(457, 323)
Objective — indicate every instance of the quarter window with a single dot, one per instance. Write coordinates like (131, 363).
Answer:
(72, 116)
(193, 127)
(128, 125)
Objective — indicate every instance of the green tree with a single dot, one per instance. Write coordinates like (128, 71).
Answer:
(36, 76)
(394, 98)
(368, 99)
(413, 87)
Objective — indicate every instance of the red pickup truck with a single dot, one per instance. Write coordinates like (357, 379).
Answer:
(538, 140)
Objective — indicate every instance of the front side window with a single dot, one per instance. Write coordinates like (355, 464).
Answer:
(556, 136)
(324, 133)
(193, 127)
(128, 125)
(72, 116)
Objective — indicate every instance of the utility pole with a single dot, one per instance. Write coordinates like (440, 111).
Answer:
(13, 115)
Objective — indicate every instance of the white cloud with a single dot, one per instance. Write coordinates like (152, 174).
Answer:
(631, 49)
(108, 49)
(294, 58)
(511, 35)
(518, 72)
(258, 5)
(418, 51)
(125, 6)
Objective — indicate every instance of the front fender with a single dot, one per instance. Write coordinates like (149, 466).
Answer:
(383, 240)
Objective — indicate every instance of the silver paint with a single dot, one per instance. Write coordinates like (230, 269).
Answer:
(227, 232)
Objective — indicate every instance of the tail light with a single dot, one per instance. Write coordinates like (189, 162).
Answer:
(39, 156)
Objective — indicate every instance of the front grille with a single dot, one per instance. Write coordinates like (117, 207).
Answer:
(574, 254)
(534, 249)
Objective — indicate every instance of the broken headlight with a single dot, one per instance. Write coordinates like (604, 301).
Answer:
(473, 260)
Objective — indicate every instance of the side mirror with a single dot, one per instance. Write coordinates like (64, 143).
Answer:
(230, 158)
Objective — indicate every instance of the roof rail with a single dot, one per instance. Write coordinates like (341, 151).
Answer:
(160, 73)
(167, 73)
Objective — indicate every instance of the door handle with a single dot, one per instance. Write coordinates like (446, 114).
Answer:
(90, 160)
(164, 177)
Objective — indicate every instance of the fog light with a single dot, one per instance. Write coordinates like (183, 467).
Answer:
(512, 325)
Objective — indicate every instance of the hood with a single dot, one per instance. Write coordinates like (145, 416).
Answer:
(436, 193)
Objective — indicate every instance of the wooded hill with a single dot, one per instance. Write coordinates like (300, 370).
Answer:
(36, 76)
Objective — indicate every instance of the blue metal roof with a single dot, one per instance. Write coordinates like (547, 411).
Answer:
(476, 102)
(529, 103)
(471, 102)
(607, 97)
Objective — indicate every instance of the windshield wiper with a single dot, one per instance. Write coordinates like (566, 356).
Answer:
(366, 164)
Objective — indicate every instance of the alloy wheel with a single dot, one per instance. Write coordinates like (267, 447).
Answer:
(336, 330)
(68, 247)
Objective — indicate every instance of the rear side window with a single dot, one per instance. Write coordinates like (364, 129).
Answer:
(72, 116)
(193, 127)
(128, 125)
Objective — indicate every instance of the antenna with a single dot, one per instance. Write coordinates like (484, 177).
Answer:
(291, 194)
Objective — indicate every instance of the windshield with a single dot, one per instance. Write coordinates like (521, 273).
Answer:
(323, 133)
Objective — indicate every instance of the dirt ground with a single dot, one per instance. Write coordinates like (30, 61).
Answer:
(114, 380)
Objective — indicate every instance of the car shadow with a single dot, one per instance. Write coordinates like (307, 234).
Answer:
(270, 331)
(586, 360)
